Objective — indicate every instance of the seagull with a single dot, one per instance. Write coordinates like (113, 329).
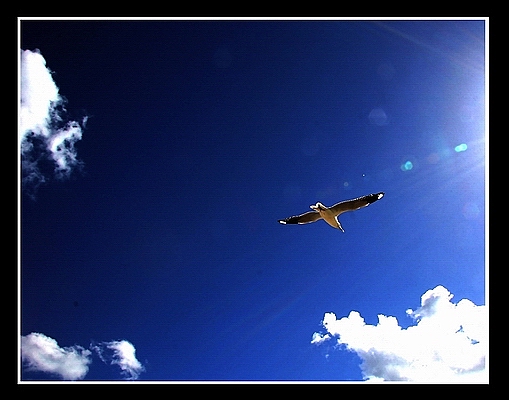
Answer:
(331, 214)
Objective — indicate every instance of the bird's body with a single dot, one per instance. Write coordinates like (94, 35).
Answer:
(331, 214)
(327, 215)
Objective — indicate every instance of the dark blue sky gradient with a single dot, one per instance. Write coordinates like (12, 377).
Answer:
(201, 135)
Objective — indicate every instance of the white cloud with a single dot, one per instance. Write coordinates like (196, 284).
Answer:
(45, 135)
(448, 342)
(319, 338)
(123, 356)
(42, 353)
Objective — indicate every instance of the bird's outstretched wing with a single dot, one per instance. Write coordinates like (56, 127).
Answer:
(306, 218)
(355, 204)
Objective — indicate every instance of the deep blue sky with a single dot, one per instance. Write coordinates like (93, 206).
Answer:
(201, 135)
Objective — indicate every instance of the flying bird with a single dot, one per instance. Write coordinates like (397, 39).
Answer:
(331, 214)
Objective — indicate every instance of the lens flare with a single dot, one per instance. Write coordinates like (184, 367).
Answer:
(377, 116)
(471, 210)
(407, 166)
(460, 147)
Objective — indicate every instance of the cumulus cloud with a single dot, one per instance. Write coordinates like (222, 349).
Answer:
(42, 353)
(319, 337)
(47, 139)
(123, 355)
(447, 343)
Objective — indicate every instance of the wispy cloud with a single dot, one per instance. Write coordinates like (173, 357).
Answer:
(448, 342)
(42, 353)
(123, 355)
(46, 136)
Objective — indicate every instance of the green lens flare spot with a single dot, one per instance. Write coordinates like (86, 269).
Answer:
(407, 166)
(460, 147)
